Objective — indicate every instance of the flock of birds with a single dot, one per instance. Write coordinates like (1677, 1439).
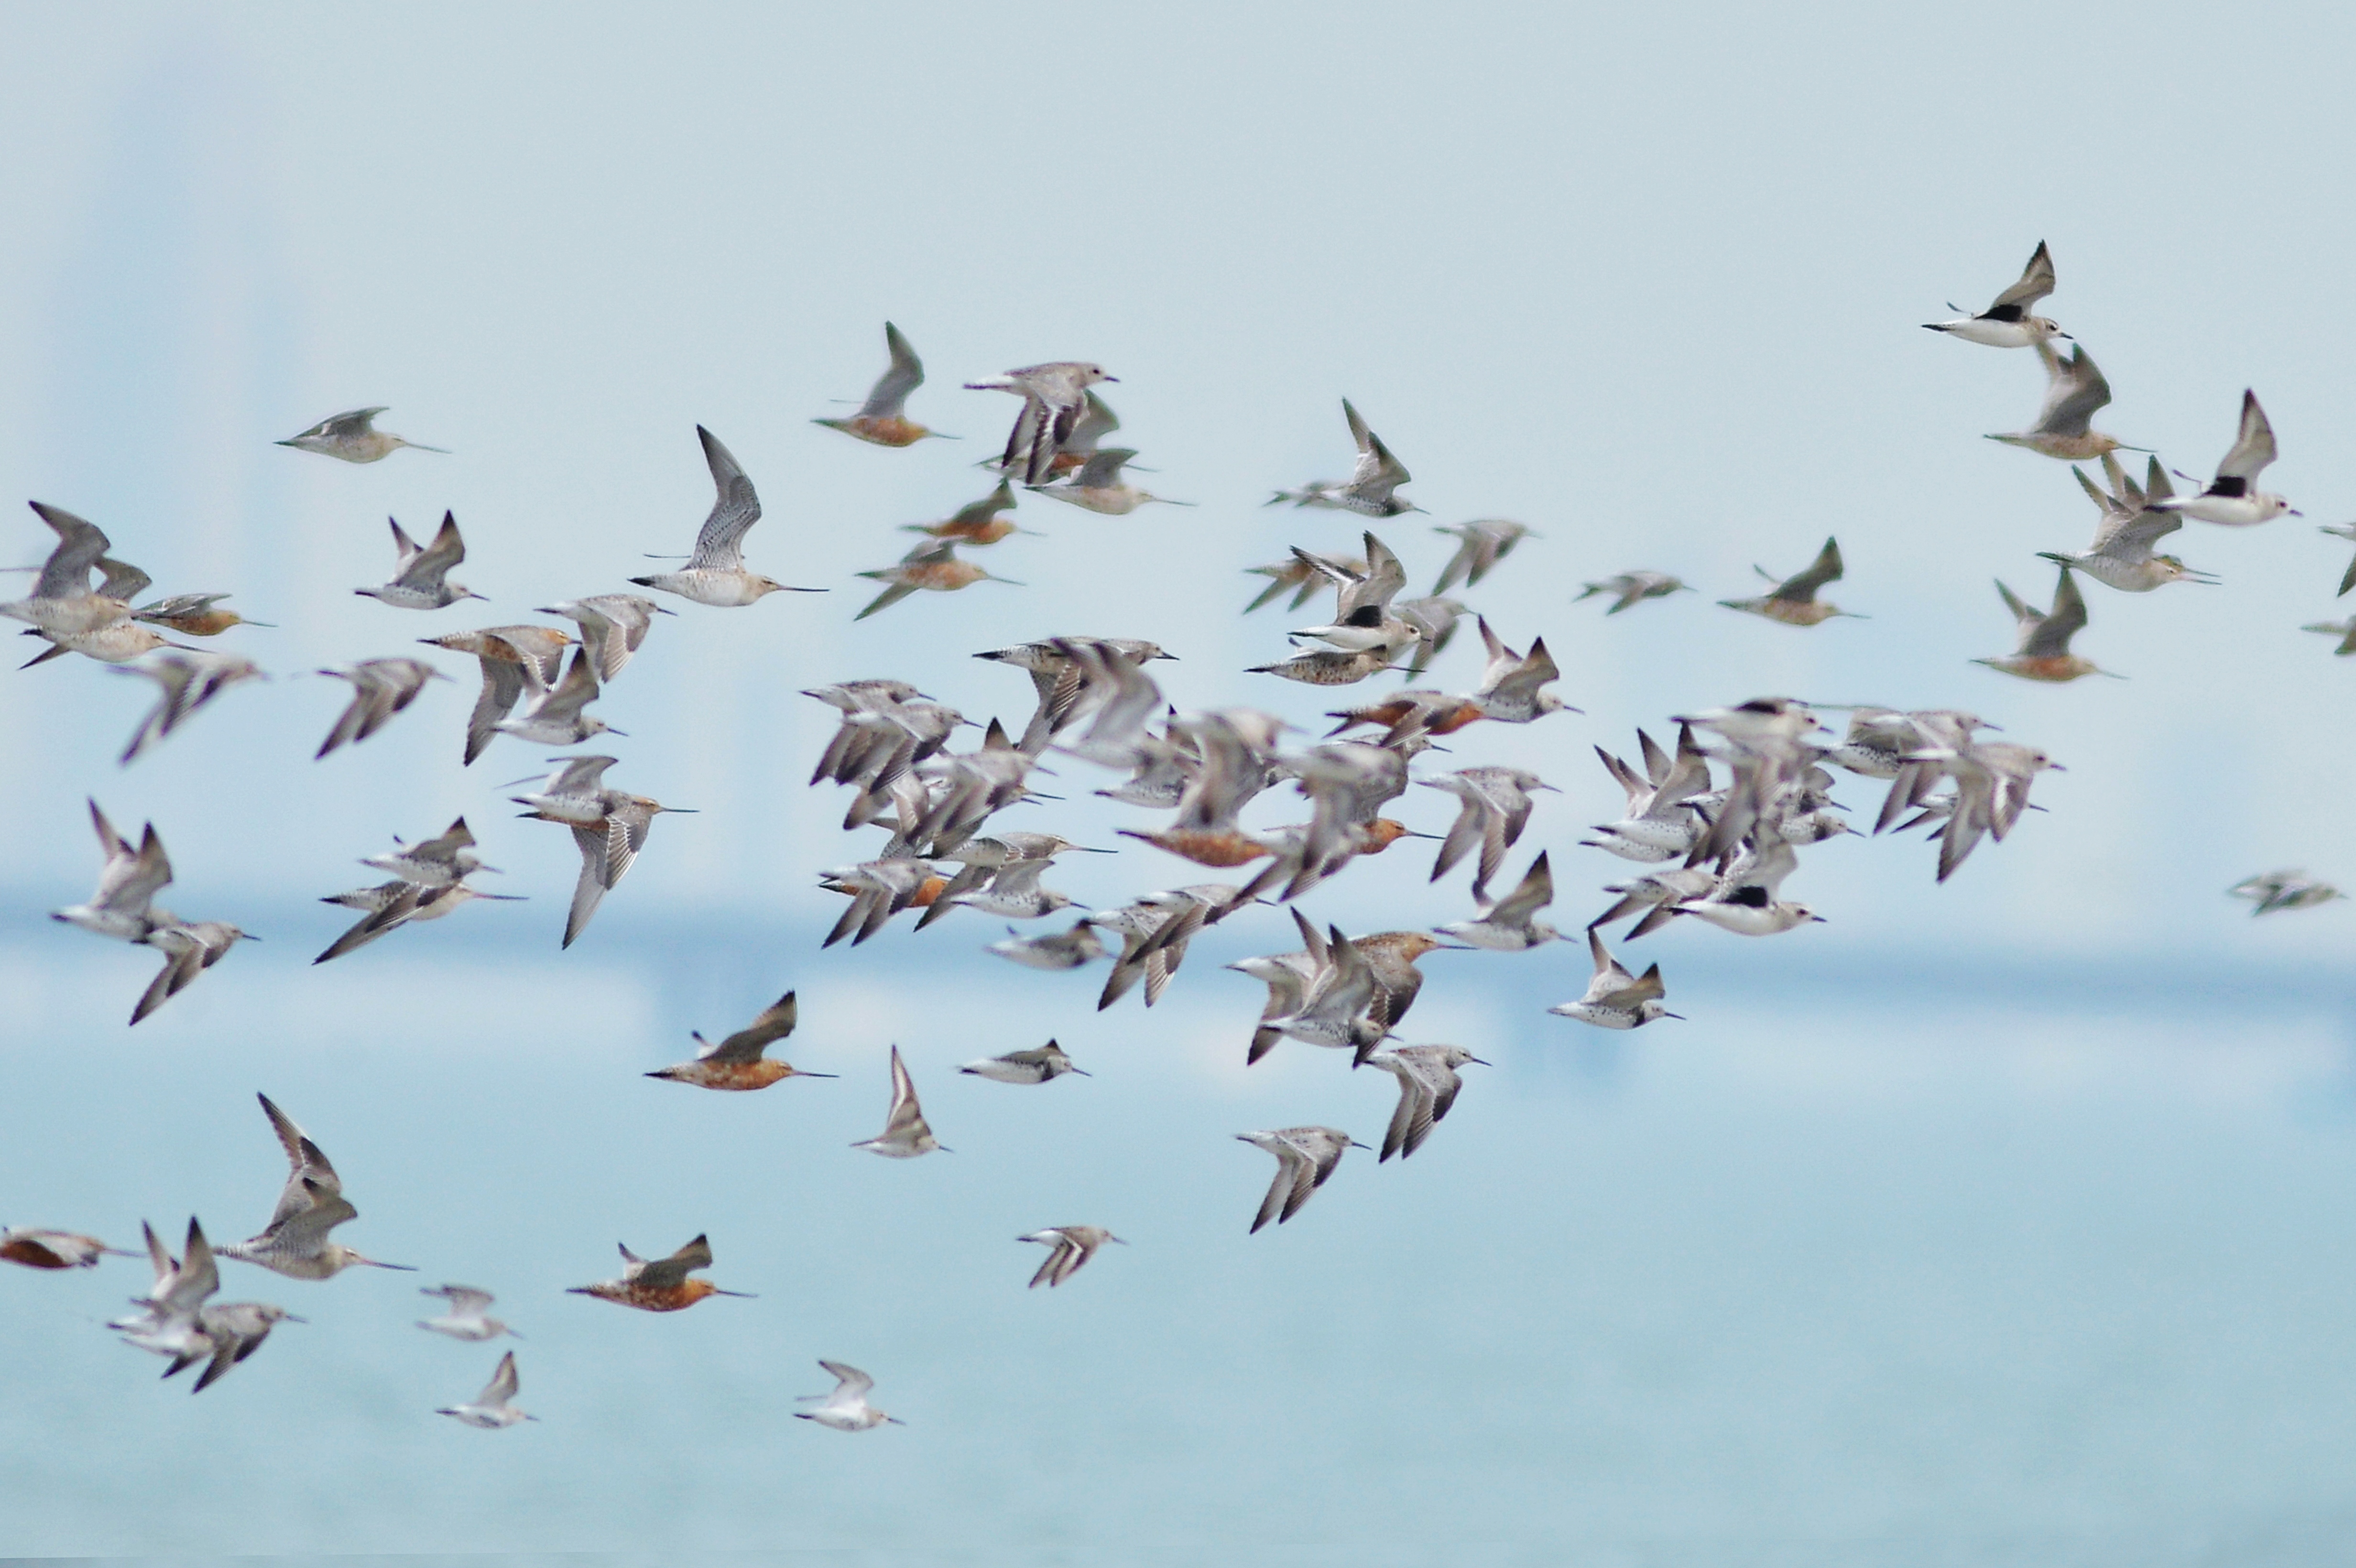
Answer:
(1713, 823)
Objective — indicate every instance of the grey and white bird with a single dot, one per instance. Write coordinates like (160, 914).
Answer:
(381, 689)
(1510, 924)
(2232, 499)
(189, 948)
(906, 1133)
(613, 626)
(1631, 587)
(1480, 546)
(1510, 690)
(311, 1204)
(494, 1407)
(128, 881)
(1053, 394)
(1305, 1157)
(1615, 998)
(2007, 322)
(845, 1407)
(1371, 489)
(504, 653)
(467, 1314)
(1069, 1247)
(1493, 806)
(715, 573)
(354, 438)
(187, 680)
(421, 572)
(1428, 1085)
(553, 715)
(1073, 949)
(2270, 892)
(1036, 1066)
(2133, 522)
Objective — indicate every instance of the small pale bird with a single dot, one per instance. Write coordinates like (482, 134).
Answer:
(1305, 1157)
(468, 1315)
(1370, 491)
(421, 572)
(906, 1135)
(2273, 890)
(613, 625)
(1616, 998)
(1069, 1248)
(1631, 587)
(381, 689)
(495, 1406)
(845, 1406)
(354, 438)
(1025, 1066)
(2007, 322)
(739, 1061)
(1428, 1084)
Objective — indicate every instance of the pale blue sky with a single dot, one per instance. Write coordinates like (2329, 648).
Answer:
(1645, 280)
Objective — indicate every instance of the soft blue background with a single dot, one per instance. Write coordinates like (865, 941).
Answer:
(1998, 1223)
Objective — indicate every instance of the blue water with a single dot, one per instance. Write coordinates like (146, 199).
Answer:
(1952, 1265)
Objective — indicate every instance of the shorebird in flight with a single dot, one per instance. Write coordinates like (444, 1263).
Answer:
(660, 1285)
(906, 1133)
(421, 572)
(2232, 499)
(311, 1204)
(1069, 1248)
(381, 689)
(2007, 322)
(1428, 1084)
(739, 1060)
(845, 1406)
(468, 1315)
(1053, 395)
(354, 438)
(1793, 600)
(883, 419)
(2044, 649)
(2074, 393)
(495, 1406)
(715, 573)
(1370, 491)
(1305, 1157)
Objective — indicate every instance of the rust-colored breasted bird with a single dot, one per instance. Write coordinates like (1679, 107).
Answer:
(737, 1063)
(660, 1285)
(882, 419)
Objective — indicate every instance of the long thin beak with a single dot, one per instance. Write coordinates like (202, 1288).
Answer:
(290, 1317)
(740, 1294)
(404, 1268)
(798, 1073)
